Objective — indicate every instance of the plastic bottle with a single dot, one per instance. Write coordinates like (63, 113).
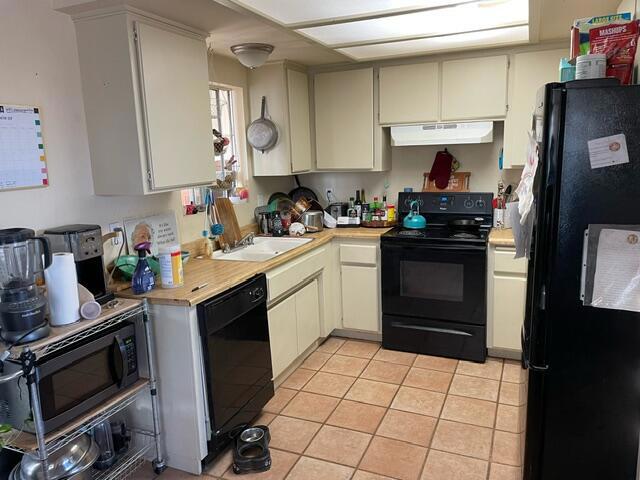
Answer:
(143, 280)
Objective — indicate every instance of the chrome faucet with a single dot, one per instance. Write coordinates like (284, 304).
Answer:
(246, 240)
(243, 242)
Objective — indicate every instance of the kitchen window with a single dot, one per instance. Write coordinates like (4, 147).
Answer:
(229, 155)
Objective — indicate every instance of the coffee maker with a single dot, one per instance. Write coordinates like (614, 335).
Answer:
(85, 242)
(22, 306)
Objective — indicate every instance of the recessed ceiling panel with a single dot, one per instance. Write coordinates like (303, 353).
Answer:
(292, 12)
(444, 21)
(483, 39)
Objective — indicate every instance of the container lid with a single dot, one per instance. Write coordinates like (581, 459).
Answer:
(165, 249)
(69, 229)
(15, 235)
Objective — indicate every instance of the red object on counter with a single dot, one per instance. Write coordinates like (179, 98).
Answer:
(619, 44)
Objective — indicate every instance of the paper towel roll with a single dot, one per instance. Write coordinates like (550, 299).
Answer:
(89, 308)
(62, 290)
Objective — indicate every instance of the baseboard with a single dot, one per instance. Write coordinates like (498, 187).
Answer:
(356, 334)
(505, 353)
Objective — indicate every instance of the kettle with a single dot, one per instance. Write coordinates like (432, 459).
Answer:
(414, 220)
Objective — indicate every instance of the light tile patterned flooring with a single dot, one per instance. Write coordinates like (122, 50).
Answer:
(356, 411)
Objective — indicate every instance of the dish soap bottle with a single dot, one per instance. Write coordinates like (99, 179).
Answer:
(143, 280)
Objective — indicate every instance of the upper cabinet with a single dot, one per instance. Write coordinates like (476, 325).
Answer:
(347, 138)
(531, 70)
(475, 88)
(145, 85)
(286, 89)
(409, 93)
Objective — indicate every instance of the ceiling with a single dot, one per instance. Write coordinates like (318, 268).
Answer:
(323, 39)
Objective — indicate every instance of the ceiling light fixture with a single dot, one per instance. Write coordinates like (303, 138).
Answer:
(252, 55)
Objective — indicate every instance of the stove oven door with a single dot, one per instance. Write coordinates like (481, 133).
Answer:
(437, 282)
(434, 300)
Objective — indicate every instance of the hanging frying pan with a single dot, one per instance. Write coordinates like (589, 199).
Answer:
(302, 192)
(262, 134)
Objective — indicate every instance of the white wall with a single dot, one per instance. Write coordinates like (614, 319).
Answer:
(409, 164)
(39, 65)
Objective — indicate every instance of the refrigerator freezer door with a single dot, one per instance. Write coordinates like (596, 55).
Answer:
(583, 404)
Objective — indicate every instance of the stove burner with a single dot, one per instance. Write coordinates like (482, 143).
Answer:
(411, 233)
(465, 235)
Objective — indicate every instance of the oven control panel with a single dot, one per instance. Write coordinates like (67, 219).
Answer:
(465, 203)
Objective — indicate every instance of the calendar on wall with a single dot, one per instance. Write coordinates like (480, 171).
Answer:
(23, 163)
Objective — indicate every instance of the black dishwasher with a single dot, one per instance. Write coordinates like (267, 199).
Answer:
(237, 359)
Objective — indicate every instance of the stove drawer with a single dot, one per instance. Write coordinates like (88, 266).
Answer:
(433, 337)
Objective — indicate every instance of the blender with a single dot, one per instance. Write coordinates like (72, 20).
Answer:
(22, 306)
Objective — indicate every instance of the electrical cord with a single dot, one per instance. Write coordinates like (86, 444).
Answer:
(7, 352)
(124, 239)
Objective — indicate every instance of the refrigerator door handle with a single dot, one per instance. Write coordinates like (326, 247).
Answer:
(538, 368)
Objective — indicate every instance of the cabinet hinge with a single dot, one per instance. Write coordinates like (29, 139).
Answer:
(507, 107)
(135, 35)
(149, 178)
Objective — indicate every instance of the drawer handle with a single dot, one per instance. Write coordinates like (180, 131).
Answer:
(431, 329)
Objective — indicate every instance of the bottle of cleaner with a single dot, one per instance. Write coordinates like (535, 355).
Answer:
(143, 280)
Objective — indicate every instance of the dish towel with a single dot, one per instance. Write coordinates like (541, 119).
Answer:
(441, 169)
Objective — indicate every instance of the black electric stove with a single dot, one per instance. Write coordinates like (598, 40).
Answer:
(434, 279)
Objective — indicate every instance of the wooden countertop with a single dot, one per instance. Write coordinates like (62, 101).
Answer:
(501, 237)
(221, 275)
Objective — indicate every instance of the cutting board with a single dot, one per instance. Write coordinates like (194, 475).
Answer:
(227, 216)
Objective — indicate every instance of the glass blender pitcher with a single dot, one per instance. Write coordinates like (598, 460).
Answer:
(22, 307)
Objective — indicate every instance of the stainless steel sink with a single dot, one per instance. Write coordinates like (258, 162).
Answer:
(263, 248)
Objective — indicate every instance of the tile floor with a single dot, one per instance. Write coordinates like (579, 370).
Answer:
(356, 411)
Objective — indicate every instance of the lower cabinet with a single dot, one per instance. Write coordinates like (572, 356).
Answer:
(294, 324)
(307, 316)
(509, 296)
(283, 335)
(506, 301)
(360, 286)
(360, 304)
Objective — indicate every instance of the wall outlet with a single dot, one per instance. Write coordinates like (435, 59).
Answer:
(261, 199)
(328, 194)
(112, 227)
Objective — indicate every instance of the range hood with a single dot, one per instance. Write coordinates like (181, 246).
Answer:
(441, 134)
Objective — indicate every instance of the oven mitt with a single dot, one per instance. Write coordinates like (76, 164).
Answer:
(441, 169)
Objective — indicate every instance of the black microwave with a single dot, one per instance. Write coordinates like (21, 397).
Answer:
(74, 380)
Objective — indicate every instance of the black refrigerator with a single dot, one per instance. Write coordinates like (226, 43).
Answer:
(583, 400)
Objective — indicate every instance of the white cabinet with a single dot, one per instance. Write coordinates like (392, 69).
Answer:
(145, 85)
(360, 286)
(294, 324)
(347, 138)
(409, 93)
(507, 281)
(299, 120)
(360, 298)
(474, 88)
(307, 316)
(283, 336)
(508, 310)
(531, 70)
(287, 94)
